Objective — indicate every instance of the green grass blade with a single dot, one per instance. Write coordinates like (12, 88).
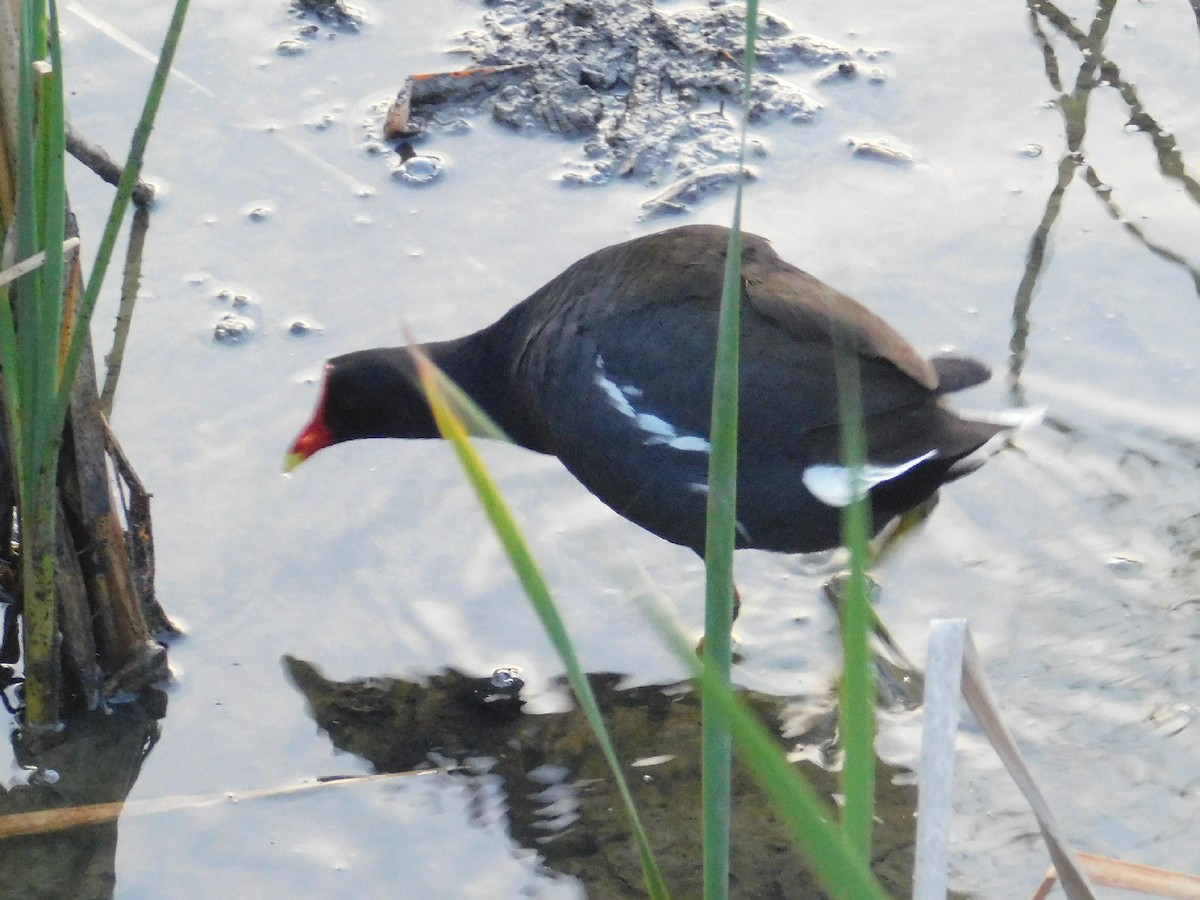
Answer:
(716, 746)
(842, 872)
(48, 330)
(20, 374)
(12, 380)
(36, 325)
(453, 429)
(857, 708)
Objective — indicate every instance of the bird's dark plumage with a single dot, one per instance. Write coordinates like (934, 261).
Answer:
(609, 367)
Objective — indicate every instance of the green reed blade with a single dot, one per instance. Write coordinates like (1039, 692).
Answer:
(856, 712)
(842, 872)
(49, 302)
(716, 747)
(453, 428)
(19, 372)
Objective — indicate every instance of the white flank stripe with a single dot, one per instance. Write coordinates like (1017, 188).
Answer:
(832, 485)
(690, 442)
(657, 430)
(660, 431)
(615, 397)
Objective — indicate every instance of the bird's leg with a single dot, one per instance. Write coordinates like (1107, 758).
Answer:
(899, 681)
(900, 528)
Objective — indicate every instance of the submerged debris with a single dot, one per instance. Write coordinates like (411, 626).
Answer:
(644, 88)
(466, 88)
(680, 196)
(337, 17)
(337, 13)
(883, 150)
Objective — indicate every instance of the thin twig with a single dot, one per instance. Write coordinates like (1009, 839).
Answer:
(130, 281)
(1129, 876)
(97, 159)
(44, 821)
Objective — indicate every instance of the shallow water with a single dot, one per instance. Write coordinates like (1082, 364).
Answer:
(1075, 558)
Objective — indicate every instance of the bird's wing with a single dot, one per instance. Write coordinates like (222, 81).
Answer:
(807, 307)
(633, 327)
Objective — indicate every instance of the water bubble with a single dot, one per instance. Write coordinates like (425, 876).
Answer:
(291, 47)
(1123, 564)
(507, 678)
(233, 329)
(303, 327)
(258, 212)
(419, 169)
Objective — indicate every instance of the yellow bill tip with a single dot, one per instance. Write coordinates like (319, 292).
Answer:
(291, 461)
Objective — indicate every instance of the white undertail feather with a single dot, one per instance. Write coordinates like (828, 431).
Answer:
(834, 485)
(1014, 421)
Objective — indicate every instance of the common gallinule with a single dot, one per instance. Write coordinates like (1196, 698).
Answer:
(609, 367)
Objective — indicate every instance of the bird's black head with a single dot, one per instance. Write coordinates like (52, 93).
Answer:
(366, 394)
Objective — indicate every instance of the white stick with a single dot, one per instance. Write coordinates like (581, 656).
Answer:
(13, 272)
